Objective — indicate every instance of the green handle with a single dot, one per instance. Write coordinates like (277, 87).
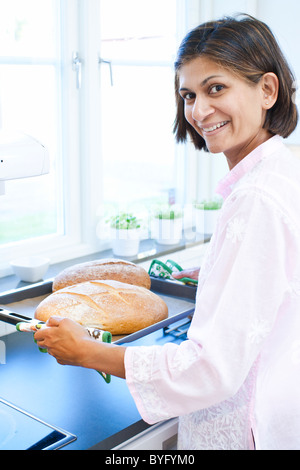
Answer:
(105, 336)
(106, 377)
(43, 350)
(165, 271)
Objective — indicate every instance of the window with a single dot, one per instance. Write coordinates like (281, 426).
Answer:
(34, 101)
(109, 143)
(138, 47)
(29, 91)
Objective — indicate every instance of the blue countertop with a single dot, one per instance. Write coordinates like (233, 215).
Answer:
(77, 400)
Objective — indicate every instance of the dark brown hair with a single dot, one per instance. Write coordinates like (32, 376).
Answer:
(247, 47)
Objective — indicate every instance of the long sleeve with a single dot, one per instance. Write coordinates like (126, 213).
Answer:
(242, 288)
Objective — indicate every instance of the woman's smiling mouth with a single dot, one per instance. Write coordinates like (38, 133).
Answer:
(214, 127)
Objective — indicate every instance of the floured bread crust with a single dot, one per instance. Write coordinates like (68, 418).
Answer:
(109, 305)
(109, 268)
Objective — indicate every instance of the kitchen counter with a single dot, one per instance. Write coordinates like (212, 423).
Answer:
(100, 415)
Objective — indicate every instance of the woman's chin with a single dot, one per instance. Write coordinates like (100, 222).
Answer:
(214, 148)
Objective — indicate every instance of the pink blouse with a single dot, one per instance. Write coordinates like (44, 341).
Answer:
(238, 373)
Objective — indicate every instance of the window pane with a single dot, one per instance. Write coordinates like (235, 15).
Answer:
(23, 213)
(29, 103)
(138, 145)
(134, 30)
(138, 111)
(27, 28)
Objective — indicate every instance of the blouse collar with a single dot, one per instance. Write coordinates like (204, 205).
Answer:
(227, 183)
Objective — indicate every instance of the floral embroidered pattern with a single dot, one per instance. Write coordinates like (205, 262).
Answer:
(260, 328)
(155, 406)
(236, 229)
(225, 426)
(184, 357)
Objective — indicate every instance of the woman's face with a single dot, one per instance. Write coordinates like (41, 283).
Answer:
(224, 109)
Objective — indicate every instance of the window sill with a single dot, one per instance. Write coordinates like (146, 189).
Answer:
(149, 249)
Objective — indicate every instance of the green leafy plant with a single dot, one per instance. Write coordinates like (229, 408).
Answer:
(211, 205)
(168, 212)
(124, 221)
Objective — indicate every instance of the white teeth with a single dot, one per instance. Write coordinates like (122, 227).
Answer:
(213, 128)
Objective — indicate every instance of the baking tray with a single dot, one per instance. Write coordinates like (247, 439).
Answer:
(179, 298)
(159, 285)
(173, 288)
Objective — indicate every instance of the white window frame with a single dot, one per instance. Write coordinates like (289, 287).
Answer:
(59, 247)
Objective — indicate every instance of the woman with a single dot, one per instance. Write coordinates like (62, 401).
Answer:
(236, 380)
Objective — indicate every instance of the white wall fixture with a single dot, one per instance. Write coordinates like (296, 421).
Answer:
(21, 156)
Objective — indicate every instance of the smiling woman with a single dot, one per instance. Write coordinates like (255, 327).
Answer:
(226, 111)
(218, 48)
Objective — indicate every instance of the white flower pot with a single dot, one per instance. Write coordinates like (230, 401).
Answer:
(125, 242)
(166, 231)
(206, 220)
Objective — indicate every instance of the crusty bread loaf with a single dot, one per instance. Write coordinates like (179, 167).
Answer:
(108, 305)
(109, 268)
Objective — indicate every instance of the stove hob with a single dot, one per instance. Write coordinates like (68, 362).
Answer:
(20, 430)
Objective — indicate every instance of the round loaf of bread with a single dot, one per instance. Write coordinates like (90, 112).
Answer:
(110, 268)
(108, 305)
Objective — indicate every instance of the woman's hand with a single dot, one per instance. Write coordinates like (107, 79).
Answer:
(192, 273)
(71, 344)
(64, 339)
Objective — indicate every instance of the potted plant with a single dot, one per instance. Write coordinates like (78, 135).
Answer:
(167, 225)
(207, 213)
(125, 234)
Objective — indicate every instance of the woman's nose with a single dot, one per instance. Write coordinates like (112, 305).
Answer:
(202, 109)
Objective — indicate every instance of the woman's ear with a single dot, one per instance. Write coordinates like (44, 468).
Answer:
(270, 87)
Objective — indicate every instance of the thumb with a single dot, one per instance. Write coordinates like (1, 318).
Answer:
(192, 273)
(54, 321)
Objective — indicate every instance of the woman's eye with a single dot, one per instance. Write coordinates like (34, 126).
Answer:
(215, 89)
(188, 96)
